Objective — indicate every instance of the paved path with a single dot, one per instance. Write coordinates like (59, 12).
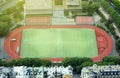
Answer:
(58, 13)
(59, 18)
(7, 5)
(114, 51)
(76, 75)
(2, 51)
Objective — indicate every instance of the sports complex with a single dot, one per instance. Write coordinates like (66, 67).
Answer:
(58, 42)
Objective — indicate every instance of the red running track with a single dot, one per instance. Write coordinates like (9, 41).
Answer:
(104, 42)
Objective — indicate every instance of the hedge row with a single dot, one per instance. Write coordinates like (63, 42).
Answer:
(26, 62)
(113, 13)
(79, 63)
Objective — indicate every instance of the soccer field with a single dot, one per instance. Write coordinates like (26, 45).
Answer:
(58, 43)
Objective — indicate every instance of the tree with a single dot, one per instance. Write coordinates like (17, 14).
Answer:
(84, 6)
(85, 64)
(46, 63)
(20, 5)
(4, 28)
(15, 12)
(89, 7)
(74, 62)
(13, 63)
(5, 24)
(5, 18)
(92, 8)
(116, 60)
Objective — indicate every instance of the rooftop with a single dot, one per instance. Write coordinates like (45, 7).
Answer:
(104, 68)
(39, 72)
(101, 71)
(73, 2)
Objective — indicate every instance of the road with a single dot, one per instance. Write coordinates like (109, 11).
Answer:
(7, 5)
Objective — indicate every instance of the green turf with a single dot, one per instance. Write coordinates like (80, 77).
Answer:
(56, 43)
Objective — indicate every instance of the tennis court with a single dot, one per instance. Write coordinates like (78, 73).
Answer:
(58, 43)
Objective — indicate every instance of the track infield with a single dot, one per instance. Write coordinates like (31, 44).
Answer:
(58, 43)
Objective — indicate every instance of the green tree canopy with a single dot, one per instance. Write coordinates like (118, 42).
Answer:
(4, 28)
(5, 24)
(92, 8)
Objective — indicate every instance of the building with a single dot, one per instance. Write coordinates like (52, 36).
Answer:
(108, 71)
(38, 7)
(36, 72)
(47, 6)
(38, 12)
(41, 12)
(44, 12)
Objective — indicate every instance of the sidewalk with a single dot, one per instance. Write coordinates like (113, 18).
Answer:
(60, 19)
